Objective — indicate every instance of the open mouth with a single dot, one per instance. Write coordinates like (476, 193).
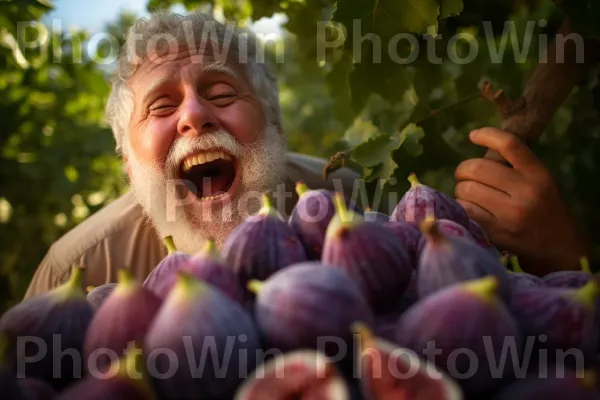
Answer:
(209, 174)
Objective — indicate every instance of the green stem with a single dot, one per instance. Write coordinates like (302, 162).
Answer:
(340, 206)
(170, 244)
(414, 181)
(514, 261)
(255, 286)
(585, 265)
(301, 188)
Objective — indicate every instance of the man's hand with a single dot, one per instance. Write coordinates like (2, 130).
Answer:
(520, 207)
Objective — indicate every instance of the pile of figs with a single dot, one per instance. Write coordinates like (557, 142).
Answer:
(331, 303)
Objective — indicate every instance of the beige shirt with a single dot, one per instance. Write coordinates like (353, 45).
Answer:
(119, 235)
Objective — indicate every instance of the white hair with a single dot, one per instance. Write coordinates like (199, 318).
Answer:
(146, 36)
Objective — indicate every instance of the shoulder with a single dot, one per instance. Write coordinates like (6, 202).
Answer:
(116, 236)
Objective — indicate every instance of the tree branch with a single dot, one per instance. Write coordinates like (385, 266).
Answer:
(552, 81)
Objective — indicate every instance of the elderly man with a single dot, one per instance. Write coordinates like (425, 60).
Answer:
(199, 127)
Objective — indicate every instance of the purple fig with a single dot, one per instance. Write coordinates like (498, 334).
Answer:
(9, 386)
(447, 228)
(391, 372)
(559, 319)
(208, 265)
(300, 374)
(311, 217)
(465, 317)
(263, 244)
(446, 260)
(570, 279)
(126, 379)
(213, 339)
(125, 317)
(374, 216)
(481, 237)
(421, 200)
(299, 305)
(36, 389)
(520, 279)
(409, 235)
(97, 295)
(570, 385)
(40, 329)
(374, 259)
(167, 267)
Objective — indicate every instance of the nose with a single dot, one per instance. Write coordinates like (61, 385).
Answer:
(196, 116)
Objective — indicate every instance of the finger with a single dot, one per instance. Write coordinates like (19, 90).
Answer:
(489, 173)
(485, 196)
(510, 147)
(486, 219)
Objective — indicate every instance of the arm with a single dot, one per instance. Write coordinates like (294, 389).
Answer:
(519, 207)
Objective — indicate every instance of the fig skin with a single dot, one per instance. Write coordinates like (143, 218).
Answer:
(215, 342)
(421, 200)
(126, 379)
(307, 301)
(125, 317)
(378, 263)
(565, 316)
(96, 296)
(569, 385)
(447, 260)
(56, 320)
(447, 228)
(520, 279)
(386, 371)
(306, 374)
(570, 279)
(375, 216)
(262, 244)
(167, 267)
(311, 216)
(468, 315)
(409, 235)
(479, 235)
(208, 266)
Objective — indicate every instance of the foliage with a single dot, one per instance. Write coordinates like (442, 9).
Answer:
(406, 108)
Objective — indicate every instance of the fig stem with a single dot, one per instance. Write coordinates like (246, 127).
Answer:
(131, 367)
(124, 277)
(365, 334)
(485, 287)
(73, 287)
(587, 294)
(430, 228)
(340, 206)
(590, 378)
(267, 206)
(585, 265)
(170, 244)
(187, 284)
(301, 188)
(90, 288)
(514, 262)
(210, 247)
(414, 181)
(255, 286)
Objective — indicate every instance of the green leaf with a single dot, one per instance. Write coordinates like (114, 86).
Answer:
(410, 139)
(386, 18)
(451, 8)
(376, 155)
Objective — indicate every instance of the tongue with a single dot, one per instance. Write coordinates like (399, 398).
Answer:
(213, 178)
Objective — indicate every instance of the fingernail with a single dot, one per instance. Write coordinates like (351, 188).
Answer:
(473, 133)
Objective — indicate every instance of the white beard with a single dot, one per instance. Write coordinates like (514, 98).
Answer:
(262, 168)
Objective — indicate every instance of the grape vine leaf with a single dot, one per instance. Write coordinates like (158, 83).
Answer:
(385, 18)
(376, 154)
(451, 8)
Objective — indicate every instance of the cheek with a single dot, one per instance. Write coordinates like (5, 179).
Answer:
(153, 141)
(244, 121)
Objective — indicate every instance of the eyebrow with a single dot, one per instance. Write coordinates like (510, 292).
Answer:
(216, 66)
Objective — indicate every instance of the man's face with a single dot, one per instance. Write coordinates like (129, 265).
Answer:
(201, 150)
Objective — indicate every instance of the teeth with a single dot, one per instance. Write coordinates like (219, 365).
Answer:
(202, 158)
(212, 197)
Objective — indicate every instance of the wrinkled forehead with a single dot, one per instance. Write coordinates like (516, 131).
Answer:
(163, 62)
